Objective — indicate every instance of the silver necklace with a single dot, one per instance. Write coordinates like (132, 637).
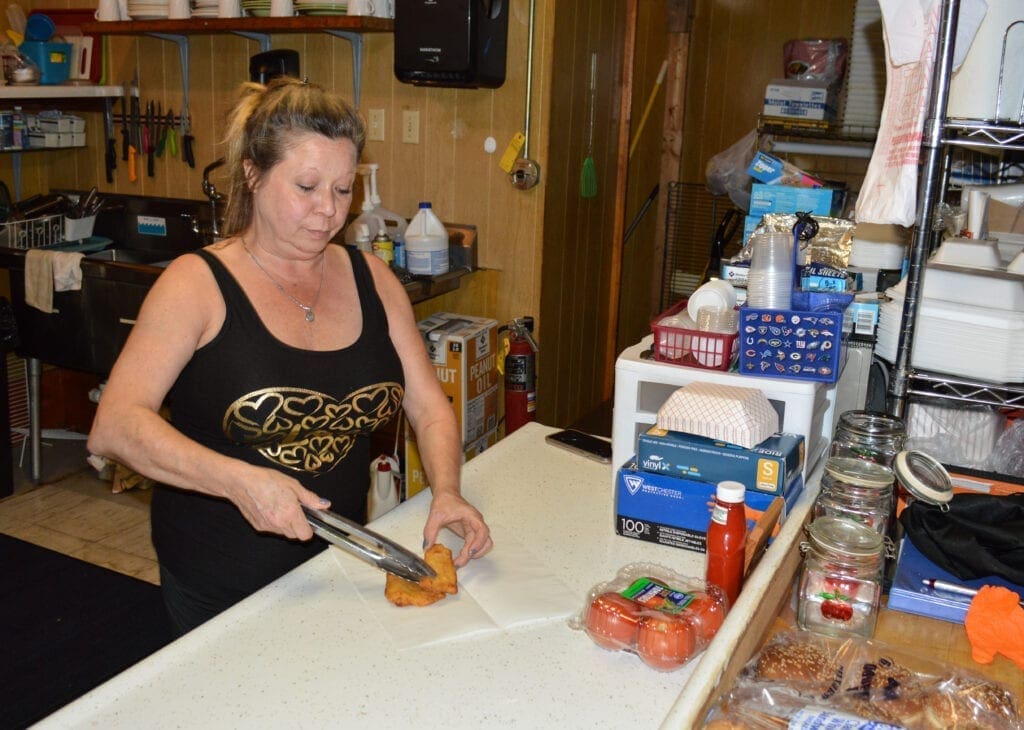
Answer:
(307, 308)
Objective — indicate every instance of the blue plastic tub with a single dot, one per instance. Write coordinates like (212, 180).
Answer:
(53, 60)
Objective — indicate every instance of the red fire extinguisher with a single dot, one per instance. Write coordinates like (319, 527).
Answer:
(520, 374)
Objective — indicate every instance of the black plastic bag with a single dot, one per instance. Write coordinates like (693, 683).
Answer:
(980, 535)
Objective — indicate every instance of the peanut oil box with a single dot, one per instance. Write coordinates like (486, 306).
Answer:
(464, 351)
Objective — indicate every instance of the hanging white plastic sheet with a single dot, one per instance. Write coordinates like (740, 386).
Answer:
(889, 192)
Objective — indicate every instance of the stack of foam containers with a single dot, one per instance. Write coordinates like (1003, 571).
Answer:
(642, 385)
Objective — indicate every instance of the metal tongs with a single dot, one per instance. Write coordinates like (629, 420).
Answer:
(367, 545)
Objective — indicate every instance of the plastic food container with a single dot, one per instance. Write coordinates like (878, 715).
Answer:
(661, 616)
(53, 60)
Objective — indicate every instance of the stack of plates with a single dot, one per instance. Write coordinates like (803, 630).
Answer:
(321, 7)
(965, 340)
(148, 10)
(865, 79)
(257, 8)
(205, 9)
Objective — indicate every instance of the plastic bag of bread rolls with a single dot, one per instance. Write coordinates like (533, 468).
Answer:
(661, 616)
(801, 678)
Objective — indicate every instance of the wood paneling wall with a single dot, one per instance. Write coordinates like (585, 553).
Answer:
(575, 279)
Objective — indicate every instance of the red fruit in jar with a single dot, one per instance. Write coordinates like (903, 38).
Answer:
(835, 608)
(707, 611)
(665, 641)
(612, 621)
(844, 588)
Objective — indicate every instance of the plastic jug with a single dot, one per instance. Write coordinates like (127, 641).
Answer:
(426, 243)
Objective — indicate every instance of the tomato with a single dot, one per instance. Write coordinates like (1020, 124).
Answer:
(612, 621)
(665, 641)
(707, 611)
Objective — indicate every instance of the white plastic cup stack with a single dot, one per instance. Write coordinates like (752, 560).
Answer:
(711, 351)
(770, 281)
(229, 9)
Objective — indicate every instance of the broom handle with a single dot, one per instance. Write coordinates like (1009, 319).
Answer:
(647, 109)
(593, 102)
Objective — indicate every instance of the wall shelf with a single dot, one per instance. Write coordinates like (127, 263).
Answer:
(60, 92)
(349, 28)
(201, 26)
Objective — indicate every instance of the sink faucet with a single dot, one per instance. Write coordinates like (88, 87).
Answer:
(210, 191)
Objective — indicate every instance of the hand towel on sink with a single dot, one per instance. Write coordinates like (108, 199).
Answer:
(50, 271)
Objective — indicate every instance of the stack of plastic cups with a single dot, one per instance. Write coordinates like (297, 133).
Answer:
(711, 351)
(770, 281)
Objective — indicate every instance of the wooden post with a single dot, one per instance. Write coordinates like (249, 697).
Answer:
(680, 21)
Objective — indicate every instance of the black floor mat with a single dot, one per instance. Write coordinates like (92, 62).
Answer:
(67, 626)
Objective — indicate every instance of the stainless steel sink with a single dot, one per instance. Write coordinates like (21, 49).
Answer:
(131, 256)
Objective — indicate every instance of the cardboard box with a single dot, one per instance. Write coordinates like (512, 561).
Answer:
(675, 512)
(800, 99)
(415, 480)
(464, 351)
(770, 467)
(789, 199)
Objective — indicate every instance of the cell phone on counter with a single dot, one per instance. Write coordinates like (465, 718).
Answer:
(583, 444)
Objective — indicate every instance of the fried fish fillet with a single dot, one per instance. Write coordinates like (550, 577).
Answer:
(402, 592)
(439, 558)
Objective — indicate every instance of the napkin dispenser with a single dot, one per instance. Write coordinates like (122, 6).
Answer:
(451, 44)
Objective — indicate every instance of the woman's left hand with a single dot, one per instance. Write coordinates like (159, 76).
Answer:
(454, 512)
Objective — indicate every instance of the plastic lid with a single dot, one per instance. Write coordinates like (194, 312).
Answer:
(425, 204)
(731, 492)
(859, 472)
(924, 477)
(841, 535)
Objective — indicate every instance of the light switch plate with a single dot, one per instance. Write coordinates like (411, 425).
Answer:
(375, 122)
(411, 126)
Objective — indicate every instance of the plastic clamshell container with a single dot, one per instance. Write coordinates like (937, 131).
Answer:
(966, 285)
(977, 254)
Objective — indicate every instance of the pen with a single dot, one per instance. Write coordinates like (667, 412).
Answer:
(941, 585)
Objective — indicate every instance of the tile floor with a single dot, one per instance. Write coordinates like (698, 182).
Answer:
(75, 513)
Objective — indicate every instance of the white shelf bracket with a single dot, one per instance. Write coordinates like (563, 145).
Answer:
(356, 40)
(263, 39)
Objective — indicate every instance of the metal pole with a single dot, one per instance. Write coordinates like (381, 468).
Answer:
(34, 368)
(932, 155)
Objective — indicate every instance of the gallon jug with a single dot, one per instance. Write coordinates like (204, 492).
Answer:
(426, 243)
(395, 223)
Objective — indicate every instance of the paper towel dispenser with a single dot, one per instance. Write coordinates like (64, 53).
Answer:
(456, 43)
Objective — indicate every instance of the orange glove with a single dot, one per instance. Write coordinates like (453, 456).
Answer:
(995, 625)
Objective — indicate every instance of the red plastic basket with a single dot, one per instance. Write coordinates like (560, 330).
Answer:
(692, 347)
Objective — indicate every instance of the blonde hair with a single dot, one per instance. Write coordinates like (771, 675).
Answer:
(260, 129)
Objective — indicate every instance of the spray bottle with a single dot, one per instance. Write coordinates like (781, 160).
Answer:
(368, 217)
(395, 223)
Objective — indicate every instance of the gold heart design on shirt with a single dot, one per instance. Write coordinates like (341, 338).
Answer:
(306, 430)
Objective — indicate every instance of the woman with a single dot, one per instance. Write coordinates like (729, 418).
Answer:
(277, 354)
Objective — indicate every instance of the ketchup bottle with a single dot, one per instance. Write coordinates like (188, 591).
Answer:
(727, 539)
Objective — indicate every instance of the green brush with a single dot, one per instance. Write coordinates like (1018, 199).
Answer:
(588, 175)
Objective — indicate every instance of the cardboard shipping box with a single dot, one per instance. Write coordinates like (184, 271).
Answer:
(464, 351)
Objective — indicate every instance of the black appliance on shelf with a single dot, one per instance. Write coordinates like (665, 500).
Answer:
(451, 43)
(270, 64)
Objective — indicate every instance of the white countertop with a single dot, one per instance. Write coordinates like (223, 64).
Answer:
(307, 651)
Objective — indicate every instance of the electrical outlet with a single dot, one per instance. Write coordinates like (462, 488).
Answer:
(375, 133)
(411, 126)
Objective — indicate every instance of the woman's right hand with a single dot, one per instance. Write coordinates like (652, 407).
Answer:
(272, 502)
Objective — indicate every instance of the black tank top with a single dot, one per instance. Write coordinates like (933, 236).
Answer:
(306, 413)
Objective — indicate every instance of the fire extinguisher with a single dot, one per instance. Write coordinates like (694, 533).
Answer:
(520, 374)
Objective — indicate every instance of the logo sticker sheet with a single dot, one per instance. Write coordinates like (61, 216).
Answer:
(790, 344)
